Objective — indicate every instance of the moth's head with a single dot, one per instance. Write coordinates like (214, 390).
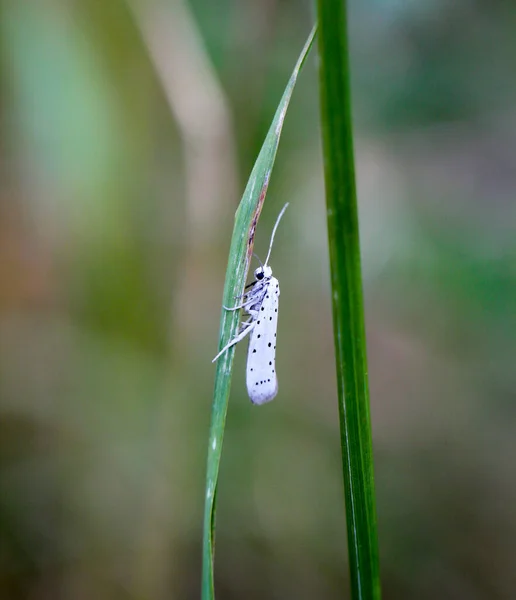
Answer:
(262, 273)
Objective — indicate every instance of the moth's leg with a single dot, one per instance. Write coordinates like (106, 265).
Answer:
(244, 293)
(252, 299)
(245, 324)
(256, 285)
(236, 339)
(243, 305)
(240, 295)
(254, 314)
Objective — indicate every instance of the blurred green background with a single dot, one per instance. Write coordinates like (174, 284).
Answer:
(128, 130)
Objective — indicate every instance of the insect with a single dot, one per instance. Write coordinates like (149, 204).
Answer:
(261, 305)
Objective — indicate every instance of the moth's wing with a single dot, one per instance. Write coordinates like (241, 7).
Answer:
(262, 383)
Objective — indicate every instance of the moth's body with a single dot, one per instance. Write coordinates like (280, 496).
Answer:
(261, 304)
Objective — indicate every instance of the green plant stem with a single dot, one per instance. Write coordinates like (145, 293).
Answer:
(347, 298)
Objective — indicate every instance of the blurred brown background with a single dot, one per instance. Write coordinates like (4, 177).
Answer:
(127, 132)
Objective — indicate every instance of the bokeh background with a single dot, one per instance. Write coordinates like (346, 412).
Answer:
(127, 132)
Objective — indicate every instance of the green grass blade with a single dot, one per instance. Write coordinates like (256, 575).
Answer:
(241, 250)
(348, 310)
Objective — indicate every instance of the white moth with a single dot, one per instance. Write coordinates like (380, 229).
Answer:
(261, 305)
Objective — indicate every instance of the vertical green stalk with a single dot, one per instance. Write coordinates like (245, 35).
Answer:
(348, 309)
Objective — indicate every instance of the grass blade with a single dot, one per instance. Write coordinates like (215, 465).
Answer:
(348, 310)
(241, 250)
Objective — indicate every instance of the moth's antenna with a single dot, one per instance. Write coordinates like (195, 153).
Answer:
(258, 259)
(274, 232)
